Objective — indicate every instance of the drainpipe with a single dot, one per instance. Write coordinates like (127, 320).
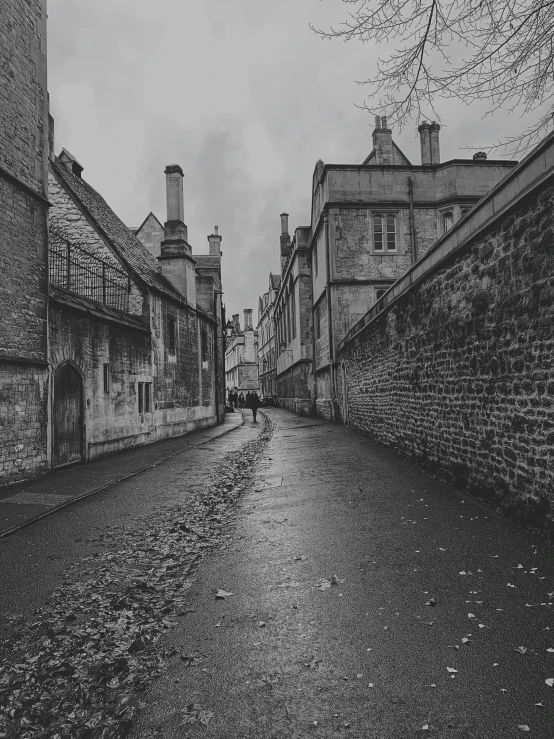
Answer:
(412, 224)
(330, 317)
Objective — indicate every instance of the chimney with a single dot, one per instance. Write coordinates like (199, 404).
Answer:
(175, 259)
(434, 129)
(285, 240)
(248, 319)
(480, 155)
(425, 140)
(214, 241)
(382, 141)
(236, 323)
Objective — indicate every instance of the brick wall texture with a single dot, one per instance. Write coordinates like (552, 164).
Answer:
(459, 372)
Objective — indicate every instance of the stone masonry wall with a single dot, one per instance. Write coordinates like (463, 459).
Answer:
(23, 239)
(459, 371)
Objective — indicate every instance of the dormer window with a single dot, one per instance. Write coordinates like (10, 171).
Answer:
(384, 233)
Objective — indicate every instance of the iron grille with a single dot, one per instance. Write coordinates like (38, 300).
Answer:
(75, 269)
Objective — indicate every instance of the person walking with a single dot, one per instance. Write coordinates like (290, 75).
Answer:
(254, 404)
(241, 400)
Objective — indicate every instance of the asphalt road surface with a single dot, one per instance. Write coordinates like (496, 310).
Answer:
(367, 598)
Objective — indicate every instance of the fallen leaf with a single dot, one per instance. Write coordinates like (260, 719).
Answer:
(549, 681)
(222, 594)
(523, 727)
(451, 669)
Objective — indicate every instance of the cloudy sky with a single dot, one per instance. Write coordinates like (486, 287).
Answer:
(241, 94)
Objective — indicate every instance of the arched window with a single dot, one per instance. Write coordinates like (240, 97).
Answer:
(384, 233)
(292, 308)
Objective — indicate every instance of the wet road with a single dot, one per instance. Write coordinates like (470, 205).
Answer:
(369, 599)
(421, 634)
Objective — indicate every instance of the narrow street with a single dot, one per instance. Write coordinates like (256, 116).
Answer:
(347, 593)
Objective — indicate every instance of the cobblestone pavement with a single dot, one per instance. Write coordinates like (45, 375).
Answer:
(369, 599)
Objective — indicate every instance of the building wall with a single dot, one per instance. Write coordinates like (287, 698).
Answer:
(458, 371)
(151, 235)
(23, 240)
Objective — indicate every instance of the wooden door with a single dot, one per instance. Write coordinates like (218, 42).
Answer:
(67, 416)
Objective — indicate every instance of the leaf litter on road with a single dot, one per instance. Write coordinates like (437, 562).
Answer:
(76, 670)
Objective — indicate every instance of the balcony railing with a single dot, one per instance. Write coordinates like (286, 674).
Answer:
(75, 269)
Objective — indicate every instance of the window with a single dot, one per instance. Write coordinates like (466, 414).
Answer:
(317, 322)
(391, 233)
(315, 260)
(463, 211)
(171, 335)
(106, 379)
(447, 221)
(288, 322)
(293, 312)
(380, 292)
(204, 338)
(384, 240)
(144, 394)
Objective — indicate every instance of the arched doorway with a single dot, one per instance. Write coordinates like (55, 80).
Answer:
(67, 416)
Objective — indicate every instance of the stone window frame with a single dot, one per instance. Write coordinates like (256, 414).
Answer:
(172, 336)
(445, 215)
(384, 214)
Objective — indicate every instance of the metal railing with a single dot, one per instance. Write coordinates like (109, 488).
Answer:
(73, 268)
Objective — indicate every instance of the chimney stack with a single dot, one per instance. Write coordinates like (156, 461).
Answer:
(236, 323)
(285, 240)
(248, 319)
(434, 129)
(425, 141)
(175, 259)
(382, 141)
(214, 241)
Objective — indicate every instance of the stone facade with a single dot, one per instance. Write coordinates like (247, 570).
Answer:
(23, 240)
(148, 369)
(293, 321)
(267, 351)
(455, 366)
(241, 356)
(371, 222)
(151, 234)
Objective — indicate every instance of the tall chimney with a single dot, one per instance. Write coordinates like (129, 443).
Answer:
(214, 241)
(382, 141)
(236, 323)
(248, 319)
(434, 129)
(176, 260)
(285, 240)
(425, 141)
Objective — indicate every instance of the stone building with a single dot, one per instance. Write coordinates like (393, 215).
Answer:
(293, 321)
(241, 355)
(267, 353)
(133, 347)
(371, 222)
(24, 127)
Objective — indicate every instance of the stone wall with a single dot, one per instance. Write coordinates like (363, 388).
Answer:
(23, 240)
(457, 371)
(295, 389)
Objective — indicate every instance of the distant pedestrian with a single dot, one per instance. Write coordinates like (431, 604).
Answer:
(248, 396)
(254, 404)
(241, 400)
(230, 398)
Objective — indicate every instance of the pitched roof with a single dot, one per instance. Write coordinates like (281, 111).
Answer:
(127, 246)
(148, 217)
(207, 261)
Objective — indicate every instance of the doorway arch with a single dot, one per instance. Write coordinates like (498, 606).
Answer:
(67, 416)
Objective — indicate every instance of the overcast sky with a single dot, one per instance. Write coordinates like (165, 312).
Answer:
(241, 94)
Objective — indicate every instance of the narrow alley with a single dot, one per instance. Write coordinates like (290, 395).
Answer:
(348, 593)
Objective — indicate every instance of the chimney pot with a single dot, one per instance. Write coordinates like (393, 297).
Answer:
(384, 122)
(480, 155)
(174, 192)
(377, 121)
(214, 240)
(248, 319)
(382, 143)
(284, 223)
